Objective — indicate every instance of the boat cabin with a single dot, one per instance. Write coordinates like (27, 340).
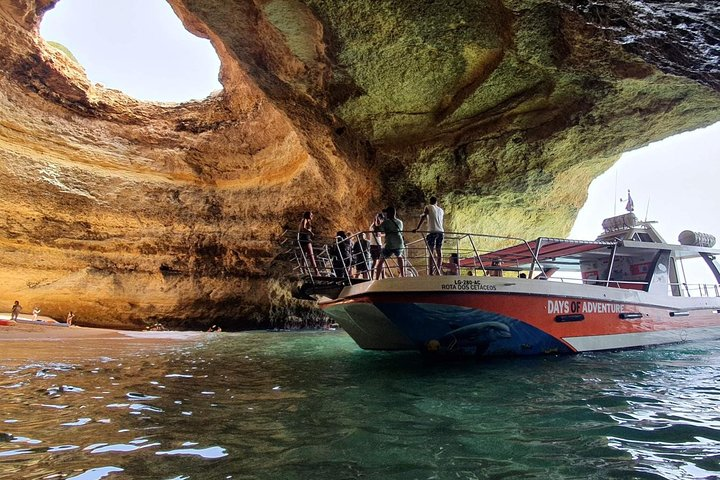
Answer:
(630, 254)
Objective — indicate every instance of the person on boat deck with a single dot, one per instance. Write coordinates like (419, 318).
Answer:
(342, 254)
(496, 268)
(394, 244)
(304, 237)
(375, 241)
(16, 309)
(361, 256)
(434, 239)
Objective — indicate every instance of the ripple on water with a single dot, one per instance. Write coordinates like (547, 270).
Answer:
(122, 448)
(294, 406)
(210, 452)
(96, 473)
(140, 397)
(79, 422)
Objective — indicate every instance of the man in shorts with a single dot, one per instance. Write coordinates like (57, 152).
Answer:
(435, 216)
(392, 227)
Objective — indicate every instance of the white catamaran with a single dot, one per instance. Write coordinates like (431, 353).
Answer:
(503, 296)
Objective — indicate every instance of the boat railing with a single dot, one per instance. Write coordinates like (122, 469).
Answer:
(694, 289)
(349, 259)
(627, 284)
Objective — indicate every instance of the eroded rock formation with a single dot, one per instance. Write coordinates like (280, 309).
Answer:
(132, 212)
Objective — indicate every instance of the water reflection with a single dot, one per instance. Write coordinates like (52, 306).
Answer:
(314, 406)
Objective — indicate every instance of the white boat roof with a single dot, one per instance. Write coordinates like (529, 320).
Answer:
(679, 251)
(554, 248)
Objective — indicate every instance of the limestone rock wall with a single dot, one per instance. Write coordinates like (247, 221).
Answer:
(130, 212)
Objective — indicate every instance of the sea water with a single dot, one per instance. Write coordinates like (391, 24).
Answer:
(313, 405)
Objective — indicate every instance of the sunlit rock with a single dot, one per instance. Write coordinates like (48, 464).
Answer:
(130, 213)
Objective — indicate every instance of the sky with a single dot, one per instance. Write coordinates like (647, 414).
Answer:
(141, 48)
(137, 46)
(675, 182)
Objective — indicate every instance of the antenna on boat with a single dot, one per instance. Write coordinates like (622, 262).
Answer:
(647, 209)
(615, 195)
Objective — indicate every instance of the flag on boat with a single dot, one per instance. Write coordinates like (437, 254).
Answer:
(630, 206)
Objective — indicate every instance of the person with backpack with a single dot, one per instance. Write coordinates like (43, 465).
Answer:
(392, 227)
(361, 256)
(341, 254)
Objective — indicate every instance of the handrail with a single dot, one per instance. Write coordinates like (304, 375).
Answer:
(336, 261)
(335, 258)
(700, 288)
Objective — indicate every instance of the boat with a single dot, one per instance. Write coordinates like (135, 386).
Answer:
(504, 296)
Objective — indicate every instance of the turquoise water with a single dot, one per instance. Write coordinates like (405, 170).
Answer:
(314, 406)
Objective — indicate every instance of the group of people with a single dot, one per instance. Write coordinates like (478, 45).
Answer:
(367, 255)
(17, 308)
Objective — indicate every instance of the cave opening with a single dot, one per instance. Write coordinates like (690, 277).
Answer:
(672, 181)
(139, 47)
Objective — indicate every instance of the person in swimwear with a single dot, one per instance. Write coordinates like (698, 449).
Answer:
(304, 237)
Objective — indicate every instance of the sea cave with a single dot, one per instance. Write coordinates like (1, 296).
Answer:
(133, 212)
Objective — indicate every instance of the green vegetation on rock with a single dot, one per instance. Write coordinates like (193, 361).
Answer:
(64, 49)
(506, 110)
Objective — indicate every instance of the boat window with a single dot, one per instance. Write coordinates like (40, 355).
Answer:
(674, 280)
(695, 278)
(642, 237)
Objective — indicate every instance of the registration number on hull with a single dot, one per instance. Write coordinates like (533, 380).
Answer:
(464, 285)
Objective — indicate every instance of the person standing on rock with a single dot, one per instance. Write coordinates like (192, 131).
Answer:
(70, 318)
(36, 312)
(16, 309)
(436, 233)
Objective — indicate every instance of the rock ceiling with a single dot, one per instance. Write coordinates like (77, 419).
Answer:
(132, 212)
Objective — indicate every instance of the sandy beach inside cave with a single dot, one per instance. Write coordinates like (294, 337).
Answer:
(48, 329)
(50, 341)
